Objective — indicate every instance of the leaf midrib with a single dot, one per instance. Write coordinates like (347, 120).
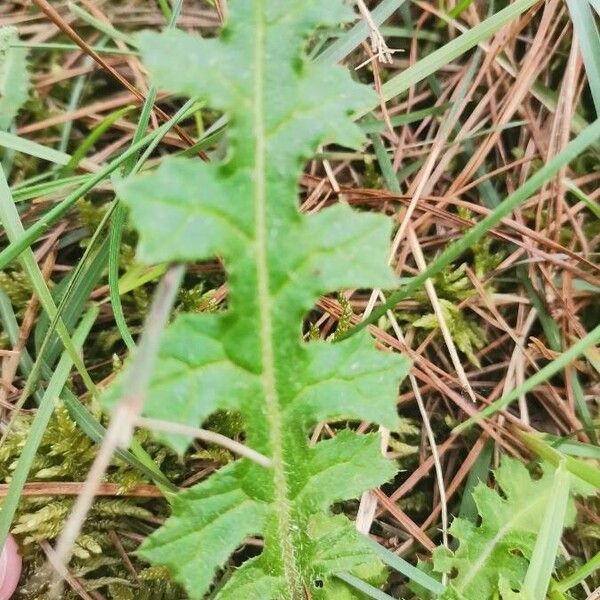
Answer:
(502, 532)
(268, 377)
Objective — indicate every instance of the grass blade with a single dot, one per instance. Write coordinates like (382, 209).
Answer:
(593, 356)
(358, 34)
(361, 586)
(116, 231)
(584, 470)
(478, 473)
(586, 138)
(94, 135)
(553, 336)
(28, 190)
(589, 568)
(573, 447)
(39, 424)
(581, 195)
(373, 126)
(552, 368)
(8, 320)
(447, 53)
(14, 230)
(409, 571)
(79, 289)
(588, 37)
(20, 144)
(542, 562)
(101, 26)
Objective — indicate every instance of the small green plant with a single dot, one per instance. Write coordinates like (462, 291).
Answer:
(252, 358)
(493, 558)
(65, 454)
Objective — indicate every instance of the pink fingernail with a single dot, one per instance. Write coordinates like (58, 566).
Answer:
(10, 568)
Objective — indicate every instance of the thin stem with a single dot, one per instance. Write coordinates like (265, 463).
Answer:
(120, 429)
(206, 436)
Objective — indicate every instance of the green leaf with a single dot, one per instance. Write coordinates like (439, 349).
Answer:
(223, 515)
(541, 566)
(251, 357)
(334, 545)
(14, 78)
(187, 229)
(339, 381)
(495, 555)
(195, 374)
(353, 461)
(252, 582)
(585, 471)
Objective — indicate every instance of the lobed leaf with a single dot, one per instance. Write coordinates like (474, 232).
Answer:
(493, 557)
(252, 358)
(223, 515)
(193, 378)
(353, 462)
(253, 582)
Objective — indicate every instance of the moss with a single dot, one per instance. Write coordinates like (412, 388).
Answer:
(15, 284)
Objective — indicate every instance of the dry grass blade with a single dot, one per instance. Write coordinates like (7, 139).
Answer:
(121, 426)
